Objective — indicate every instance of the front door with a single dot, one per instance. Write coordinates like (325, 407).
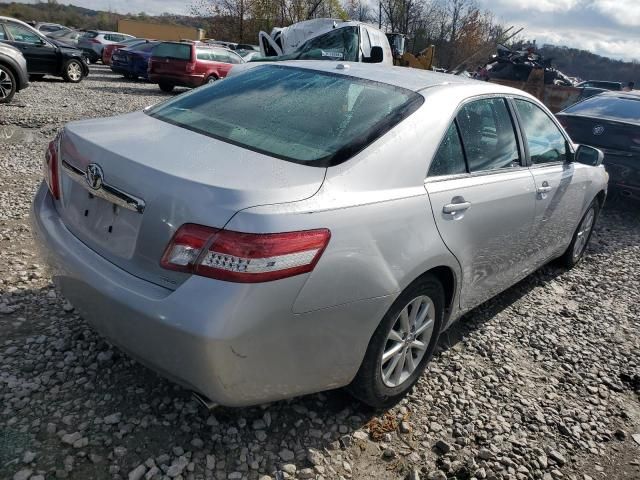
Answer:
(560, 185)
(483, 199)
(42, 57)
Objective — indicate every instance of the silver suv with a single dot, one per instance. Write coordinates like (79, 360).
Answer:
(92, 42)
(13, 72)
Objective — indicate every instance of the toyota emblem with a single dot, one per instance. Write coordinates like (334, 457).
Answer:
(598, 130)
(94, 176)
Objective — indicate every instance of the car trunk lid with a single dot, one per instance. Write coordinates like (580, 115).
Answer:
(177, 175)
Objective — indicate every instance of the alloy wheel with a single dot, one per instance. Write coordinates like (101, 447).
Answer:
(583, 233)
(407, 341)
(74, 71)
(6, 85)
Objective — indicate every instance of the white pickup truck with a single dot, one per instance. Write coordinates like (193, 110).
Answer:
(326, 39)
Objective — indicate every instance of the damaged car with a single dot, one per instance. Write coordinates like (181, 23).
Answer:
(304, 226)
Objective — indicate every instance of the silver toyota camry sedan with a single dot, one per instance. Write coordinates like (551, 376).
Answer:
(304, 226)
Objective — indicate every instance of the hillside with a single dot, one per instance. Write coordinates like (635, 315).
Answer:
(589, 66)
(87, 18)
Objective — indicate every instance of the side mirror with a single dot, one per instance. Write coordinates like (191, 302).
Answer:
(589, 155)
(377, 55)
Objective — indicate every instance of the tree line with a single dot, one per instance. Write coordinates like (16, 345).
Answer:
(457, 28)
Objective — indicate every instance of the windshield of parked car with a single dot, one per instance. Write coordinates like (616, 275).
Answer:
(179, 51)
(609, 106)
(295, 114)
(338, 44)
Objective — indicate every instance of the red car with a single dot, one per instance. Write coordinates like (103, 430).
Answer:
(107, 51)
(189, 64)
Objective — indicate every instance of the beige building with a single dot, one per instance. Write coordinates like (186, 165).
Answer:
(159, 31)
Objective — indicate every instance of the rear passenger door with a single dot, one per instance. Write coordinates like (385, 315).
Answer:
(560, 184)
(483, 198)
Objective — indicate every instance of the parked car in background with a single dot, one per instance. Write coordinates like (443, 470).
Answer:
(249, 55)
(46, 28)
(611, 122)
(108, 50)
(13, 72)
(247, 240)
(133, 62)
(69, 37)
(45, 56)
(221, 43)
(247, 46)
(94, 41)
(601, 84)
(327, 39)
(189, 64)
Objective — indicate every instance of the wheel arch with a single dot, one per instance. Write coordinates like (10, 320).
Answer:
(448, 277)
(13, 71)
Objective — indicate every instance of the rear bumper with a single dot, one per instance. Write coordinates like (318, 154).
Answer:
(178, 80)
(238, 344)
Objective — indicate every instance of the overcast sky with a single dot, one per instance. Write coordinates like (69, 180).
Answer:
(605, 27)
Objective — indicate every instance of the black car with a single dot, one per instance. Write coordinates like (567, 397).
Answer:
(44, 56)
(13, 72)
(611, 122)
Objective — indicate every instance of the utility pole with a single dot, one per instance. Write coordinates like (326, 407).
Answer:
(380, 14)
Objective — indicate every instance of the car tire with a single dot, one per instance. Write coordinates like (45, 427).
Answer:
(211, 79)
(166, 87)
(378, 383)
(574, 253)
(73, 71)
(8, 84)
(36, 76)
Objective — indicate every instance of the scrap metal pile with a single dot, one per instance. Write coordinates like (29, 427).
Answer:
(513, 65)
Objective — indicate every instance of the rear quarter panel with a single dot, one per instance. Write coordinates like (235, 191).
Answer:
(383, 234)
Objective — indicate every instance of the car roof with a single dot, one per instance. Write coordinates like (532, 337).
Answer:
(634, 94)
(15, 20)
(404, 77)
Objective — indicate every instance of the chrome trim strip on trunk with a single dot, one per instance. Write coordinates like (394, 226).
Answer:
(105, 191)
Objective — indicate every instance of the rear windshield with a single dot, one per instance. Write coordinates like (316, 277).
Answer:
(180, 51)
(90, 34)
(295, 114)
(609, 106)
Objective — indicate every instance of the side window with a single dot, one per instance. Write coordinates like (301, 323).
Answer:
(3, 35)
(217, 55)
(488, 135)
(544, 139)
(21, 34)
(449, 159)
(203, 55)
(234, 58)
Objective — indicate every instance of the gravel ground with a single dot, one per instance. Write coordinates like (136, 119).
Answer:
(542, 382)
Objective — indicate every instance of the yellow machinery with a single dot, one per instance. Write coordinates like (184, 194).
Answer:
(423, 61)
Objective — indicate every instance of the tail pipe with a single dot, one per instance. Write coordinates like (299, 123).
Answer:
(204, 401)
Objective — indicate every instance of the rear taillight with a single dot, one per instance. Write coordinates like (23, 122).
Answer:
(244, 257)
(51, 166)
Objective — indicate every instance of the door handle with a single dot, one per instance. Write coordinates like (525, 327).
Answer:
(544, 188)
(454, 208)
